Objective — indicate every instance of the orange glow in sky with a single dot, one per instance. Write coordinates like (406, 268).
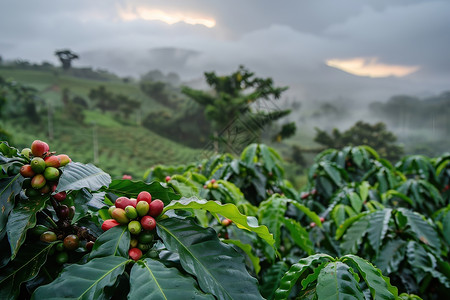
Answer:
(370, 67)
(166, 17)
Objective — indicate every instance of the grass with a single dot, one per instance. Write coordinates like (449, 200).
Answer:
(122, 148)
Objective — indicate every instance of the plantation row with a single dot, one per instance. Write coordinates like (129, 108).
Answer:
(225, 228)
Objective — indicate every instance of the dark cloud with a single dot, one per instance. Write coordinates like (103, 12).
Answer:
(287, 40)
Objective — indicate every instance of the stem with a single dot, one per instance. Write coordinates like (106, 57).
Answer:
(50, 220)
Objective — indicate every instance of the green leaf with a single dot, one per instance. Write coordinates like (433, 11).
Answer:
(390, 256)
(333, 172)
(336, 281)
(312, 215)
(289, 279)
(379, 287)
(84, 281)
(9, 188)
(115, 242)
(247, 250)
(356, 202)
(338, 214)
(420, 260)
(249, 153)
(364, 190)
(228, 210)
(152, 280)
(80, 202)
(354, 235)
(299, 235)
(20, 220)
(343, 227)
(76, 176)
(269, 162)
(25, 267)
(423, 230)
(219, 269)
(271, 279)
(271, 213)
(378, 226)
(131, 189)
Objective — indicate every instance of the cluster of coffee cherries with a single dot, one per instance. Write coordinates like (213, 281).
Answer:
(43, 171)
(139, 215)
(67, 242)
(211, 184)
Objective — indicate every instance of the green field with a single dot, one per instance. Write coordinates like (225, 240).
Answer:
(122, 147)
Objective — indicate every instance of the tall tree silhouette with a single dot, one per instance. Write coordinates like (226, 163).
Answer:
(66, 56)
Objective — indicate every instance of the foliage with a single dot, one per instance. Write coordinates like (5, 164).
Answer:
(231, 98)
(375, 136)
(234, 224)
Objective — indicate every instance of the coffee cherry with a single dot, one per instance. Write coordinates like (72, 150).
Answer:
(48, 236)
(144, 196)
(142, 208)
(135, 253)
(148, 223)
(156, 208)
(71, 242)
(52, 161)
(134, 227)
(39, 148)
(64, 159)
(38, 165)
(38, 181)
(26, 171)
(108, 224)
(89, 246)
(61, 196)
(120, 216)
(62, 257)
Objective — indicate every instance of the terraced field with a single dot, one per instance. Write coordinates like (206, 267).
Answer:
(121, 149)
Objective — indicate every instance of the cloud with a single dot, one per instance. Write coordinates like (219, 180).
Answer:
(290, 41)
(370, 67)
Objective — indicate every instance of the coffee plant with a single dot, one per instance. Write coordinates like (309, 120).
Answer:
(224, 228)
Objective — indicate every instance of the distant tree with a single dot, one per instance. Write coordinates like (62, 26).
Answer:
(66, 56)
(232, 96)
(375, 136)
(101, 98)
(127, 105)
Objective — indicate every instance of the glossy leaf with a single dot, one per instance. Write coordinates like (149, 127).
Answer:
(289, 279)
(299, 235)
(84, 282)
(423, 262)
(228, 210)
(336, 281)
(249, 153)
(271, 213)
(76, 176)
(312, 215)
(22, 218)
(152, 280)
(114, 242)
(271, 278)
(423, 230)
(354, 235)
(24, 267)
(380, 287)
(9, 188)
(212, 262)
(247, 250)
(390, 256)
(378, 226)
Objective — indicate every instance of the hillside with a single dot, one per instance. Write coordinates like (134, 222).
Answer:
(122, 145)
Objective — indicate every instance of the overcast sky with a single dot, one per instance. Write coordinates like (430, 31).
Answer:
(323, 49)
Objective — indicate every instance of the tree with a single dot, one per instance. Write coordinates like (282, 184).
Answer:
(375, 136)
(66, 56)
(230, 106)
